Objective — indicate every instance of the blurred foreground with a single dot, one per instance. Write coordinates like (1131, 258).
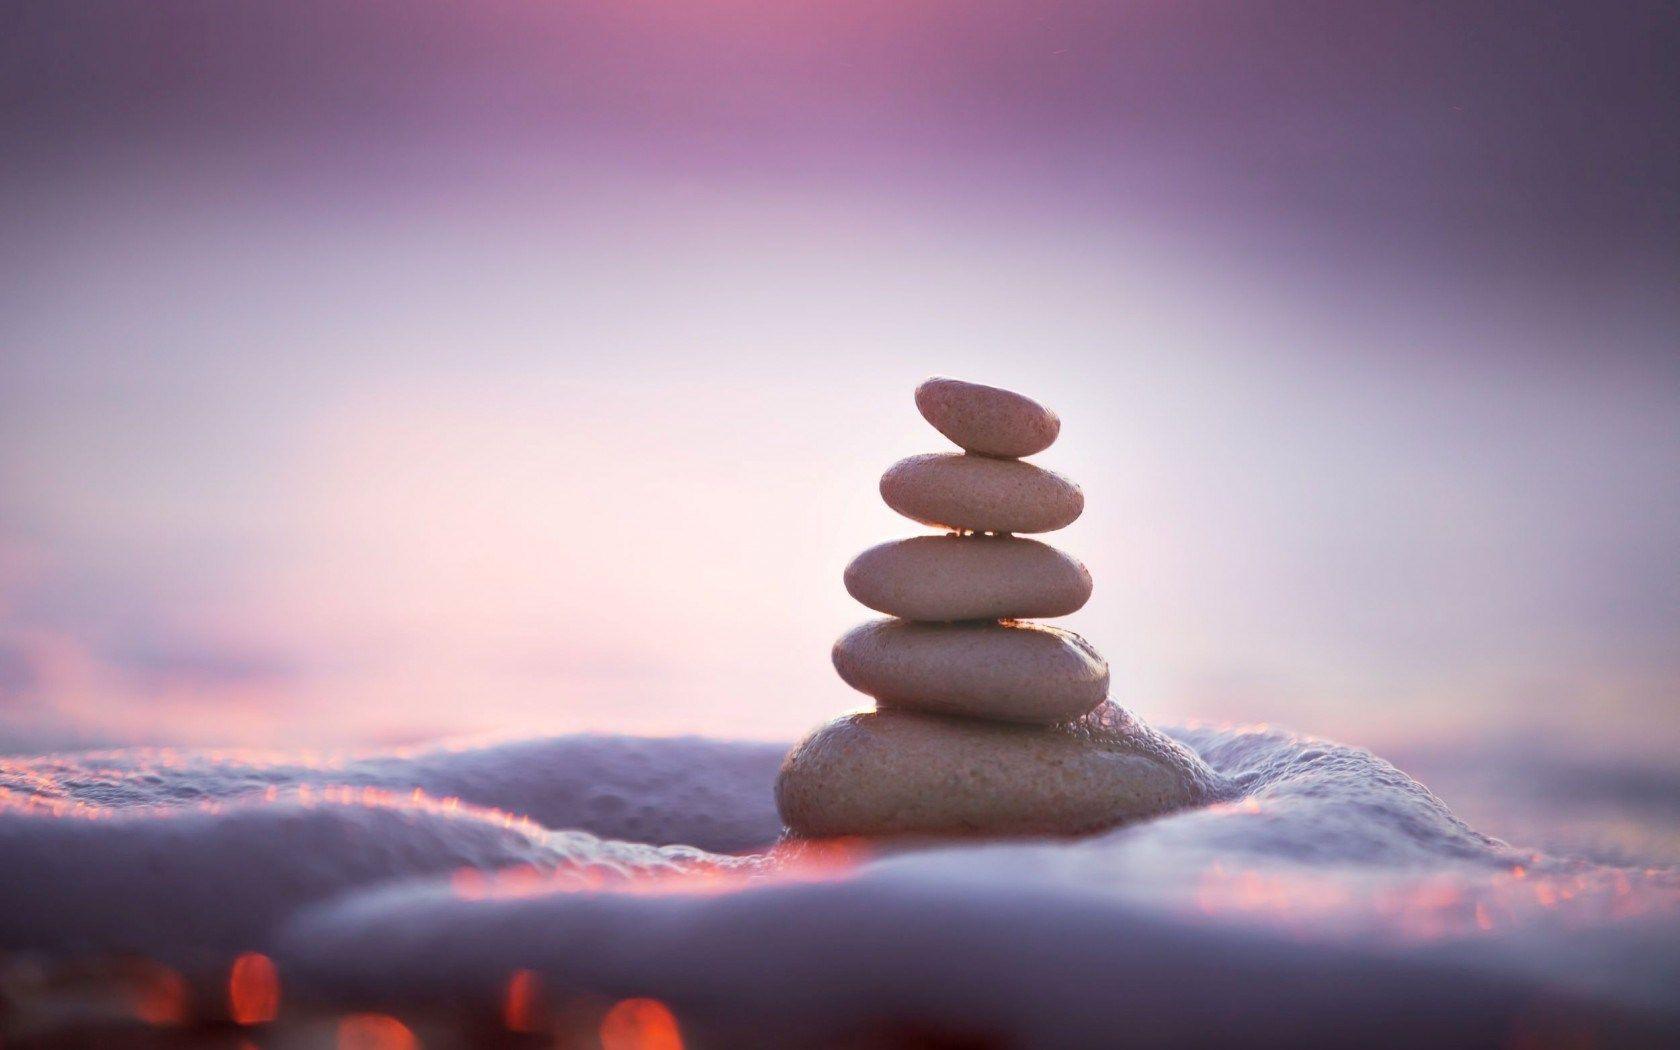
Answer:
(502, 892)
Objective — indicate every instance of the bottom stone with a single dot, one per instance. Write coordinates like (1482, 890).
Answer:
(905, 773)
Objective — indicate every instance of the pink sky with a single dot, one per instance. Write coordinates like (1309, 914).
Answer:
(523, 372)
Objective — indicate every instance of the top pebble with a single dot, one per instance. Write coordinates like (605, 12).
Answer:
(987, 420)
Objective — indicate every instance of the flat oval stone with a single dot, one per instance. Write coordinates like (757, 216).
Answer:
(987, 419)
(968, 578)
(953, 490)
(904, 773)
(1017, 672)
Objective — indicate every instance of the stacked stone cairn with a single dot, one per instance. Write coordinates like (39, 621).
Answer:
(984, 723)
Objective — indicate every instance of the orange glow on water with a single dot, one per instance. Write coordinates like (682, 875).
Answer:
(469, 884)
(253, 989)
(159, 996)
(1484, 921)
(797, 862)
(1435, 906)
(819, 858)
(522, 1006)
(640, 1024)
(375, 1032)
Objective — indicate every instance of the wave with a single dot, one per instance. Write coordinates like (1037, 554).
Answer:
(1325, 897)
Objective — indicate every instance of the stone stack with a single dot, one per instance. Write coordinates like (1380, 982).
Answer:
(984, 723)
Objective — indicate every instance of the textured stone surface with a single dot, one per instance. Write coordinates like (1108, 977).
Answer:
(987, 419)
(1017, 672)
(961, 491)
(904, 773)
(968, 578)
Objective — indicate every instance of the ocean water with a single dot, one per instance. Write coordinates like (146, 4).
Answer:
(1326, 898)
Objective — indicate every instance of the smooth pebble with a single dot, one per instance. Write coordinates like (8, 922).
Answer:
(987, 419)
(904, 773)
(1017, 672)
(955, 490)
(940, 578)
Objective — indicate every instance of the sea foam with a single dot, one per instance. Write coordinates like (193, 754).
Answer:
(1326, 896)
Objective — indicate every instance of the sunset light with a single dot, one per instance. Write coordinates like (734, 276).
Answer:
(253, 990)
(640, 1024)
(839, 524)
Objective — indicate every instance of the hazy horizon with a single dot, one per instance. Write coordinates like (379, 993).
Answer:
(522, 370)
